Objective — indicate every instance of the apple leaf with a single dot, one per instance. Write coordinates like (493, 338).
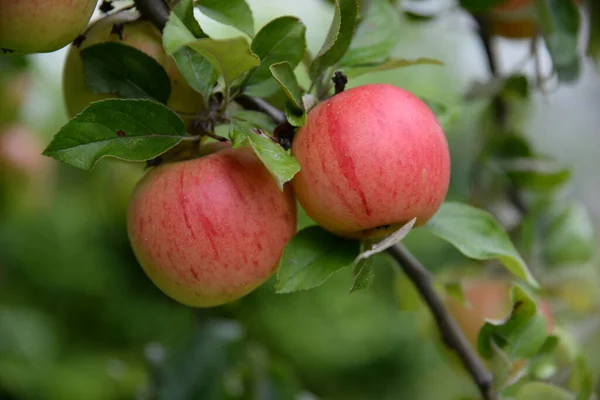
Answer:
(542, 390)
(124, 71)
(284, 75)
(389, 64)
(264, 89)
(294, 115)
(131, 130)
(376, 35)
(338, 38)
(559, 23)
(581, 379)
(281, 40)
(198, 72)
(569, 237)
(477, 235)
(363, 275)
(279, 162)
(455, 291)
(231, 57)
(185, 11)
(311, 257)
(235, 13)
(445, 116)
(521, 335)
(387, 242)
(536, 174)
(254, 119)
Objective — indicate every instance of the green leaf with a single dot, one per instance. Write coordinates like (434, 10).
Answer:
(507, 86)
(536, 174)
(541, 390)
(521, 335)
(235, 13)
(311, 257)
(132, 130)
(284, 75)
(389, 64)
(376, 35)
(281, 40)
(559, 23)
(294, 115)
(198, 72)
(581, 379)
(445, 116)
(254, 119)
(363, 275)
(279, 162)
(338, 38)
(455, 290)
(231, 57)
(264, 89)
(477, 6)
(124, 71)
(570, 237)
(185, 11)
(477, 235)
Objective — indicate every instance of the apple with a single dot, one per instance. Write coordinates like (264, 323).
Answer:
(40, 26)
(372, 158)
(208, 231)
(137, 33)
(515, 19)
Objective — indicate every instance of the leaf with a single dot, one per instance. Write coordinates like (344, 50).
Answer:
(198, 72)
(389, 64)
(338, 38)
(387, 242)
(363, 275)
(445, 116)
(132, 130)
(231, 57)
(294, 115)
(284, 75)
(570, 236)
(476, 6)
(176, 34)
(124, 71)
(581, 379)
(281, 40)
(521, 335)
(508, 86)
(254, 119)
(541, 390)
(235, 13)
(536, 174)
(477, 235)
(311, 257)
(280, 163)
(559, 24)
(185, 11)
(264, 89)
(376, 35)
(455, 291)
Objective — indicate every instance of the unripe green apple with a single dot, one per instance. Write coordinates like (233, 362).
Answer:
(140, 34)
(41, 26)
(209, 230)
(373, 158)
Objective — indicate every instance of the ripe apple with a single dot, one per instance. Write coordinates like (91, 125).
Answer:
(40, 26)
(515, 19)
(209, 230)
(372, 158)
(140, 34)
(488, 300)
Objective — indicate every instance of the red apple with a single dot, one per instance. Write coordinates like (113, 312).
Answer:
(209, 230)
(40, 26)
(373, 158)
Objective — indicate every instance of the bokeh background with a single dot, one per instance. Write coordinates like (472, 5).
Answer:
(80, 320)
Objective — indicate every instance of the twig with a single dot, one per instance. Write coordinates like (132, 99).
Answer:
(451, 333)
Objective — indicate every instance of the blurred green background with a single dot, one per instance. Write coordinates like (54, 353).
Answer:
(80, 320)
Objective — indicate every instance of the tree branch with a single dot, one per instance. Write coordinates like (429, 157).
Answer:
(451, 333)
(154, 10)
(256, 104)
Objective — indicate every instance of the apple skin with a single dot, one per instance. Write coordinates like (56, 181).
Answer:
(210, 230)
(136, 33)
(41, 26)
(372, 158)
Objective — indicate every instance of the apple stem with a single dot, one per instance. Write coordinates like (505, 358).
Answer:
(451, 333)
(339, 80)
